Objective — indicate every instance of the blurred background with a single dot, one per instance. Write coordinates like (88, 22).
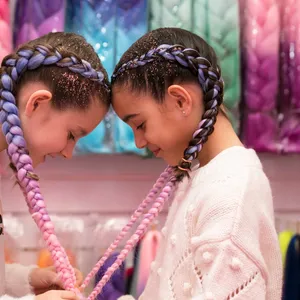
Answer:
(92, 196)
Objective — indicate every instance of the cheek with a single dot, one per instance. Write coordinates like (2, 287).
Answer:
(46, 140)
(159, 133)
(175, 138)
(33, 138)
(56, 141)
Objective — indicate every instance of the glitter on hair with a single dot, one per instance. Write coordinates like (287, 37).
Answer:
(158, 59)
(46, 61)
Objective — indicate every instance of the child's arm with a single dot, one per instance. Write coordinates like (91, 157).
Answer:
(17, 280)
(225, 272)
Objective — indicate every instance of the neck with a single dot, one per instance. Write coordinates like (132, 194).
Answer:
(222, 138)
(3, 144)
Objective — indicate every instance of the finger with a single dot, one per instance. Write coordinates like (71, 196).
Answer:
(79, 277)
(57, 281)
(51, 268)
(68, 295)
(46, 279)
(44, 290)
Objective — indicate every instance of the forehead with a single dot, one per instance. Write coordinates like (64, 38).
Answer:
(126, 102)
(90, 117)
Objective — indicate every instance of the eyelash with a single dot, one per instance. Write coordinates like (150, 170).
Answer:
(71, 136)
(142, 126)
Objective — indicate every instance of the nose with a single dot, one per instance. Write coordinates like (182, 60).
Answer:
(140, 141)
(67, 152)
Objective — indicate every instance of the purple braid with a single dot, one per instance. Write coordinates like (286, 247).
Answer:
(148, 219)
(12, 68)
(210, 81)
(159, 184)
(212, 86)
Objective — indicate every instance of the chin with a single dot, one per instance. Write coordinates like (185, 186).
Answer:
(36, 162)
(173, 162)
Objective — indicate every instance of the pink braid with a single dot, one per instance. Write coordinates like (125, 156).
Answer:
(12, 68)
(212, 86)
(35, 202)
(161, 181)
(56, 250)
(152, 214)
(31, 190)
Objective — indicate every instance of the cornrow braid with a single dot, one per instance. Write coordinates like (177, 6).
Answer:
(12, 68)
(210, 82)
(212, 86)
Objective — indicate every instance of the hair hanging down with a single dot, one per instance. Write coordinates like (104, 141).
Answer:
(211, 84)
(141, 69)
(39, 58)
(158, 59)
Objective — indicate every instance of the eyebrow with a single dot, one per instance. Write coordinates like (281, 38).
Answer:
(127, 118)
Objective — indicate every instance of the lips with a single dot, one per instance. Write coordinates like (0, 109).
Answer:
(156, 152)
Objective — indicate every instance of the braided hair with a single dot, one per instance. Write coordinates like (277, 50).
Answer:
(50, 58)
(179, 56)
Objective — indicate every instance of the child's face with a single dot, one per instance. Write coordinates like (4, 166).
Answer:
(50, 132)
(165, 129)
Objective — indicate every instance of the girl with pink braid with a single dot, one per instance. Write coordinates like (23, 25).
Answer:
(53, 90)
(219, 239)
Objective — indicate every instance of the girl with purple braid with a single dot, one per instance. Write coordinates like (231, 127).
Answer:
(219, 239)
(53, 90)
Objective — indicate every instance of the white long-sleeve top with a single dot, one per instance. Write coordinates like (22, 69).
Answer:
(219, 241)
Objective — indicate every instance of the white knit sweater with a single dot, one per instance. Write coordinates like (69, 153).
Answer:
(14, 283)
(219, 241)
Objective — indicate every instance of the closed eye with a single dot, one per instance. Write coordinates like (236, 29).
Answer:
(141, 126)
(71, 136)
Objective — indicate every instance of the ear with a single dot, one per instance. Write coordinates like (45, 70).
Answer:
(182, 98)
(36, 100)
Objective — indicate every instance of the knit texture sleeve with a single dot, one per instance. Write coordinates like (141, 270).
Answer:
(235, 227)
(226, 272)
(17, 280)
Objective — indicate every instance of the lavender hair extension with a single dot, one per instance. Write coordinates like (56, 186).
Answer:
(12, 68)
(210, 81)
(212, 85)
(149, 217)
(161, 181)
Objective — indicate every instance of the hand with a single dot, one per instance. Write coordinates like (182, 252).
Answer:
(46, 279)
(57, 295)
